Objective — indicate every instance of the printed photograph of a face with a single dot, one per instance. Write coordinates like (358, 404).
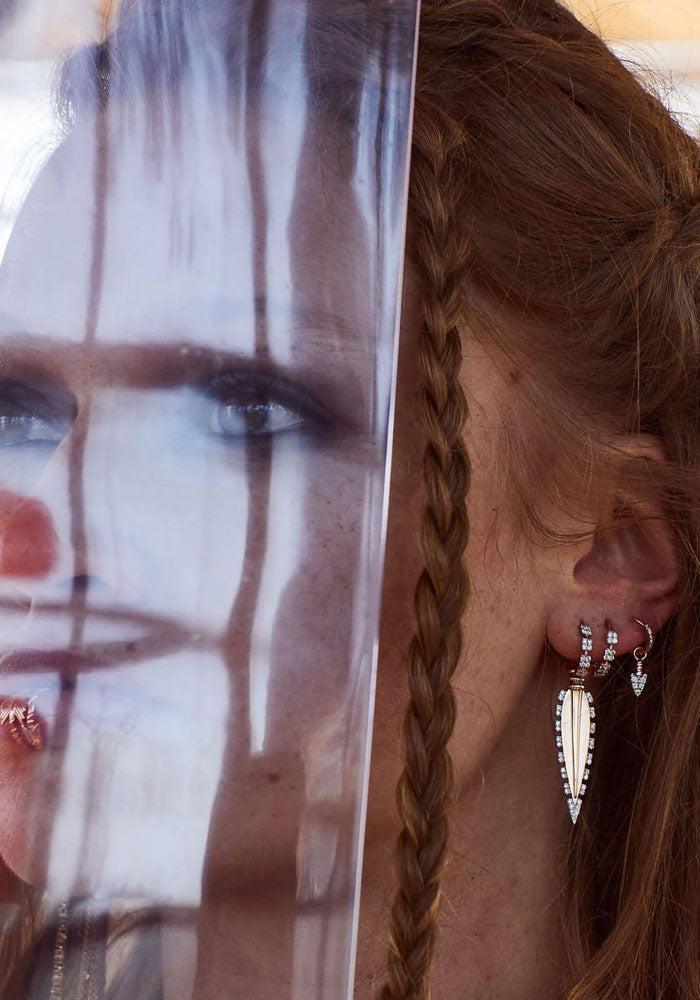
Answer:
(202, 250)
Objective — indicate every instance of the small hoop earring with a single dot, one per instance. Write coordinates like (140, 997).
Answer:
(610, 653)
(638, 679)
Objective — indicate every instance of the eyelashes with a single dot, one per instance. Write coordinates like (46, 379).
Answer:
(40, 414)
(258, 405)
(241, 404)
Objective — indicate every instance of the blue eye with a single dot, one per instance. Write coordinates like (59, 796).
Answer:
(21, 428)
(255, 404)
(28, 416)
(264, 417)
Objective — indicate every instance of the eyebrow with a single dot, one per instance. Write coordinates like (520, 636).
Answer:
(343, 394)
(339, 371)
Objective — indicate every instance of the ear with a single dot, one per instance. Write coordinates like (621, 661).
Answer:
(626, 569)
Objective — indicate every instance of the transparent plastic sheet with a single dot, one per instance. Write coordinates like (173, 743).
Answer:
(201, 244)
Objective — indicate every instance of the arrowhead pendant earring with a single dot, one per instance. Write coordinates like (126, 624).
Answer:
(574, 727)
(638, 679)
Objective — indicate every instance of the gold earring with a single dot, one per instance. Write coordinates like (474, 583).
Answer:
(638, 679)
(22, 724)
(574, 727)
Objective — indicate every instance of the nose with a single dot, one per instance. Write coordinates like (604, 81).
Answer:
(29, 550)
(28, 539)
(87, 542)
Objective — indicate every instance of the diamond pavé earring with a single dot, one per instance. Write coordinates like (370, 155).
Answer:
(574, 727)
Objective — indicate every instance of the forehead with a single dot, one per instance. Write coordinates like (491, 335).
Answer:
(201, 225)
(200, 218)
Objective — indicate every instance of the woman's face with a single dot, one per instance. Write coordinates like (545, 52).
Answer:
(192, 418)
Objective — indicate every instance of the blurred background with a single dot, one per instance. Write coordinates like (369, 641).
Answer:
(661, 39)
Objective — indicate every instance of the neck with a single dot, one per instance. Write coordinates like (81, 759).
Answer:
(499, 923)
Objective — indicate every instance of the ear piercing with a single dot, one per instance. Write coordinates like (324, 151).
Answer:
(574, 723)
(610, 652)
(21, 722)
(638, 679)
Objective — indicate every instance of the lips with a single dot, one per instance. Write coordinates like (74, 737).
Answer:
(66, 665)
(148, 638)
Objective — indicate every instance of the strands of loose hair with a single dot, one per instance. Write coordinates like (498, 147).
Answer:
(573, 195)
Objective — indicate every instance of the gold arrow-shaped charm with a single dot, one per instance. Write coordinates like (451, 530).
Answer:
(575, 740)
(574, 728)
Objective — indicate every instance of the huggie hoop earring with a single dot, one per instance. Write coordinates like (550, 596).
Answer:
(638, 679)
(610, 653)
(574, 728)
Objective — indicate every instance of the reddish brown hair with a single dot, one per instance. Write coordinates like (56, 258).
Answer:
(554, 208)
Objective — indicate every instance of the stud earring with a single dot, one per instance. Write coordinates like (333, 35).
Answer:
(574, 727)
(638, 679)
(610, 653)
(22, 724)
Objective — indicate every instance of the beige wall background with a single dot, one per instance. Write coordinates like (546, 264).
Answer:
(642, 20)
(660, 39)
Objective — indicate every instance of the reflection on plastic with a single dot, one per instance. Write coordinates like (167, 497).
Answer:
(198, 306)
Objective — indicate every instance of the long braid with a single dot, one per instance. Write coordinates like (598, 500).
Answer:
(425, 787)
